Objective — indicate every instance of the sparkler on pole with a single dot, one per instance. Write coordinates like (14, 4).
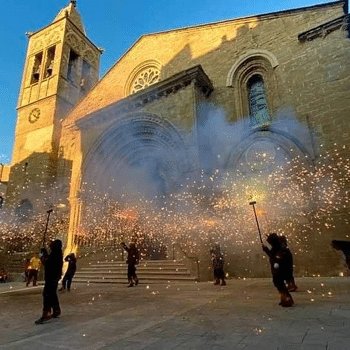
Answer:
(256, 219)
(47, 224)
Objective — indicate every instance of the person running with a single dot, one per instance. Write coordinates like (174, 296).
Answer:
(132, 260)
(68, 276)
(277, 261)
(53, 263)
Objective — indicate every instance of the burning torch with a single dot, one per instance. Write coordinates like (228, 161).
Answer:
(47, 224)
(256, 219)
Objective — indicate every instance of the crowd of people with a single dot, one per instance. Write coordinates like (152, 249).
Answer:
(281, 261)
(53, 263)
(280, 258)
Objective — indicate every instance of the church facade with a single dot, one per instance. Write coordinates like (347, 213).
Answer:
(247, 97)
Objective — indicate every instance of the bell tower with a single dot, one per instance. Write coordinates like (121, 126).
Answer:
(61, 66)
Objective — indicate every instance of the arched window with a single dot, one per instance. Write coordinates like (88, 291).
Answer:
(254, 84)
(259, 112)
(143, 76)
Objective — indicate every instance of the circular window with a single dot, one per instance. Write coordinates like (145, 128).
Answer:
(143, 79)
(261, 155)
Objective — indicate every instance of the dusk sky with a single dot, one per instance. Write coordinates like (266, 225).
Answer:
(112, 25)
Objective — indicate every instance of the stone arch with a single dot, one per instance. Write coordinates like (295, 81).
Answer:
(254, 63)
(142, 147)
(280, 143)
(152, 65)
(270, 57)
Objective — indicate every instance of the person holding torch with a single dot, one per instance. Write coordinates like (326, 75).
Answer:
(53, 263)
(278, 260)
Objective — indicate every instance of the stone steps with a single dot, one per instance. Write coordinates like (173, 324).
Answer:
(14, 265)
(150, 271)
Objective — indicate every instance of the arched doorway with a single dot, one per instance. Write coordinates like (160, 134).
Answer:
(132, 167)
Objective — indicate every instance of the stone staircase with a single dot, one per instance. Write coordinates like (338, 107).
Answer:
(148, 271)
(13, 264)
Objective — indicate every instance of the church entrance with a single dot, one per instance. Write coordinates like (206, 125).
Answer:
(127, 176)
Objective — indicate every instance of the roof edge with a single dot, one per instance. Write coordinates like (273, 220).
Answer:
(267, 15)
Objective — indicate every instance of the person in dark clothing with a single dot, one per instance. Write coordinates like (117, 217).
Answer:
(218, 265)
(278, 262)
(288, 266)
(26, 268)
(3, 275)
(132, 260)
(344, 246)
(68, 276)
(53, 263)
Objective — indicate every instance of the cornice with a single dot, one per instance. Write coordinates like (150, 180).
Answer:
(134, 102)
(259, 17)
(324, 29)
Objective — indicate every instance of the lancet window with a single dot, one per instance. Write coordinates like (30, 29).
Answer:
(254, 87)
(36, 68)
(259, 112)
(86, 76)
(50, 58)
(72, 72)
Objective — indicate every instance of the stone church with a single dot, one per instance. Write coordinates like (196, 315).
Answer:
(248, 95)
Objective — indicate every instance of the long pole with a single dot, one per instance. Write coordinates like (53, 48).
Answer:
(256, 219)
(47, 224)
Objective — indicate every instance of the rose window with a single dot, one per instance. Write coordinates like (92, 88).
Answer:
(144, 79)
(261, 155)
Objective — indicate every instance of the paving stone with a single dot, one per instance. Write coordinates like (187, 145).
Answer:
(183, 319)
(314, 346)
(289, 347)
(338, 344)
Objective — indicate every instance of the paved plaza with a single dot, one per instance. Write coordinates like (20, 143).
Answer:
(243, 315)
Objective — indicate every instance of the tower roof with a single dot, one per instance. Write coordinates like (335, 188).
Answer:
(73, 14)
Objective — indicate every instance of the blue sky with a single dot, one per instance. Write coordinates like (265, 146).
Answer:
(112, 25)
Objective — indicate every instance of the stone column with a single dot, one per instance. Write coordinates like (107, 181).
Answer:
(74, 224)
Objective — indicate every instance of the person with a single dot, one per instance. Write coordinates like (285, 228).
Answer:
(68, 276)
(53, 263)
(35, 265)
(3, 275)
(218, 265)
(344, 246)
(288, 268)
(26, 268)
(132, 260)
(278, 262)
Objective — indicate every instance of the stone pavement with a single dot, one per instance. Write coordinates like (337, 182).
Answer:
(243, 315)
